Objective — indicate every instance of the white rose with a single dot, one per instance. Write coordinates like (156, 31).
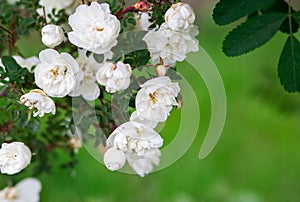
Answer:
(57, 73)
(94, 28)
(180, 16)
(150, 123)
(88, 87)
(58, 5)
(135, 138)
(52, 35)
(155, 99)
(14, 157)
(144, 165)
(37, 99)
(114, 77)
(27, 190)
(170, 46)
(114, 159)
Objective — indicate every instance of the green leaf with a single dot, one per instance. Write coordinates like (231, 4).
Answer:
(283, 7)
(14, 114)
(98, 57)
(252, 34)
(10, 64)
(289, 65)
(228, 11)
(296, 16)
(131, 21)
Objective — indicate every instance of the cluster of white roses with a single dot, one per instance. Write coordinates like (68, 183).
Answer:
(136, 141)
(95, 29)
(175, 38)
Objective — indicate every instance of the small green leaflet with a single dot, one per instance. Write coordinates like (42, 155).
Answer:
(297, 16)
(289, 65)
(99, 58)
(252, 34)
(10, 64)
(228, 11)
(11, 67)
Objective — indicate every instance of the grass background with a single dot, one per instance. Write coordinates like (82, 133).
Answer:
(257, 158)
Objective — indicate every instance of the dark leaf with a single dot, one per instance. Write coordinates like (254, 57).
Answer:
(285, 26)
(277, 6)
(228, 11)
(14, 114)
(131, 21)
(283, 7)
(296, 16)
(10, 64)
(98, 57)
(289, 65)
(252, 34)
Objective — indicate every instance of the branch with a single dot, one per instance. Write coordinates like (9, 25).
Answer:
(4, 91)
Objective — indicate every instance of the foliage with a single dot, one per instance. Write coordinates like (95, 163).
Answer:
(47, 135)
(263, 19)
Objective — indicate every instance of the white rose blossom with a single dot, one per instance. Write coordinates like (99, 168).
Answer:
(88, 86)
(135, 142)
(143, 166)
(135, 138)
(170, 46)
(114, 159)
(58, 5)
(94, 28)
(27, 190)
(14, 157)
(156, 98)
(134, 117)
(52, 35)
(38, 99)
(114, 77)
(180, 17)
(58, 73)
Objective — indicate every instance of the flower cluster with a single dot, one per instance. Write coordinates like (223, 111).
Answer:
(175, 38)
(60, 72)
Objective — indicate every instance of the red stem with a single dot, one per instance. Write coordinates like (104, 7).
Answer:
(126, 10)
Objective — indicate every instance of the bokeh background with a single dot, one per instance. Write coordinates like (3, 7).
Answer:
(257, 158)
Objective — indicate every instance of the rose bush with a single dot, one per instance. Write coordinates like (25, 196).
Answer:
(97, 58)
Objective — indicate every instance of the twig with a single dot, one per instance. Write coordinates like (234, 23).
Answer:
(4, 91)
(6, 30)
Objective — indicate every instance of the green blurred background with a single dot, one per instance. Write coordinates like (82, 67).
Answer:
(255, 160)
